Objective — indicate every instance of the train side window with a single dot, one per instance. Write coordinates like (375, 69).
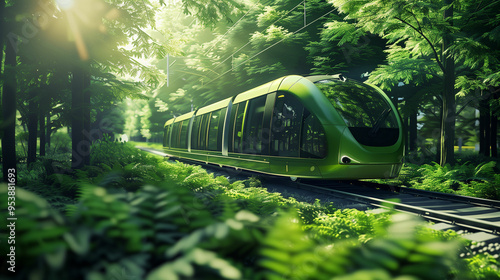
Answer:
(203, 132)
(286, 125)
(221, 128)
(195, 132)
(175, 134)
(238, 127)
(213, 129)
(313, 140)
(252, 135)
(184, 134)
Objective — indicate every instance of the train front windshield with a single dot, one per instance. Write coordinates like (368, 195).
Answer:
(365, 111)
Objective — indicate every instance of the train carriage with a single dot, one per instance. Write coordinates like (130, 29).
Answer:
(325, 127)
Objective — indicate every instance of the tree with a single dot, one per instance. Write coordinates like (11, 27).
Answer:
(424, 39)
(480, 52)
(8, 96)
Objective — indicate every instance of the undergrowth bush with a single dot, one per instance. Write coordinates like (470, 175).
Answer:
(111, 153)
(478, 180)
(398, 252)
(142, 218)
(167, 232)
(349, 223)
(464, 179)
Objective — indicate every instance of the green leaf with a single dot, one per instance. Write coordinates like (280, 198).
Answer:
(56, 258)
(165, 271)
(244, 215)
(78, 241)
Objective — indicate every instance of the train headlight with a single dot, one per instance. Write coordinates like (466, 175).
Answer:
(345, 160)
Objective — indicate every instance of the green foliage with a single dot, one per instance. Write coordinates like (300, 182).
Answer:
(484, 266)
(349, 224)
(190, 225)
(489, 189)
(39, 234)
(60, 143)
(107, 233)
(399, 253)
(469, 179)
(109, 152)
(140, 217)
(464, 179)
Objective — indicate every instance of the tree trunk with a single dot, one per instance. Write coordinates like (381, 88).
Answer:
(32, 128)
(406, 130)
(44, 102)
(413, 132)
(49, 130)
(494, 132)
(86, 116)
(43, 139)
(9, 111)
(448, 118)
(485, 124)
(494, 126)
(481, 126)
(78, 143)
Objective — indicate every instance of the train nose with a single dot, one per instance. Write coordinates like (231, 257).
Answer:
(351, 152)
(369, 162)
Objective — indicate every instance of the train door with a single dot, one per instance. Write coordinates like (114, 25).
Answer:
(225, 133)
(166, 136)
(291, 137)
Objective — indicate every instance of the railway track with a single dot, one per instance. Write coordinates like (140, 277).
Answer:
(478, 218)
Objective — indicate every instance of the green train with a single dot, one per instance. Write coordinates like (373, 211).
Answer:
(324, 127)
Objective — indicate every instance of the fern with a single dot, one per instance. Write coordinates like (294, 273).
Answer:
(348, 224)
(484, 170)
(465, 179)
(39, 232)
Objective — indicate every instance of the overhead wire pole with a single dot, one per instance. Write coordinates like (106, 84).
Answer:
(305, 20)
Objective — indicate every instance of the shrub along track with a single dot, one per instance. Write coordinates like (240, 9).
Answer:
(478, 218)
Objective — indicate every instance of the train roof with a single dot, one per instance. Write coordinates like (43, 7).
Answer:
(215, 106)
(283, 83)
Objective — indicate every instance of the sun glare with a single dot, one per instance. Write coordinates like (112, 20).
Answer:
(65, 4)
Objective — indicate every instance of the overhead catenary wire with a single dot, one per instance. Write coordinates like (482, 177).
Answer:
(249, 41)
(232, 55)
(232, 27)
(262, 51)
(227, 32)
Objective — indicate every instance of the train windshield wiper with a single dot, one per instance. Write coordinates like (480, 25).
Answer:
(373, 132)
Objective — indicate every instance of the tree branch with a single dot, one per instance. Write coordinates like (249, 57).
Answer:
(427, 39)
(464, 106)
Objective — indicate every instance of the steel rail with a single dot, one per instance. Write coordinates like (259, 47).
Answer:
(427, 213)
(448, 196)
